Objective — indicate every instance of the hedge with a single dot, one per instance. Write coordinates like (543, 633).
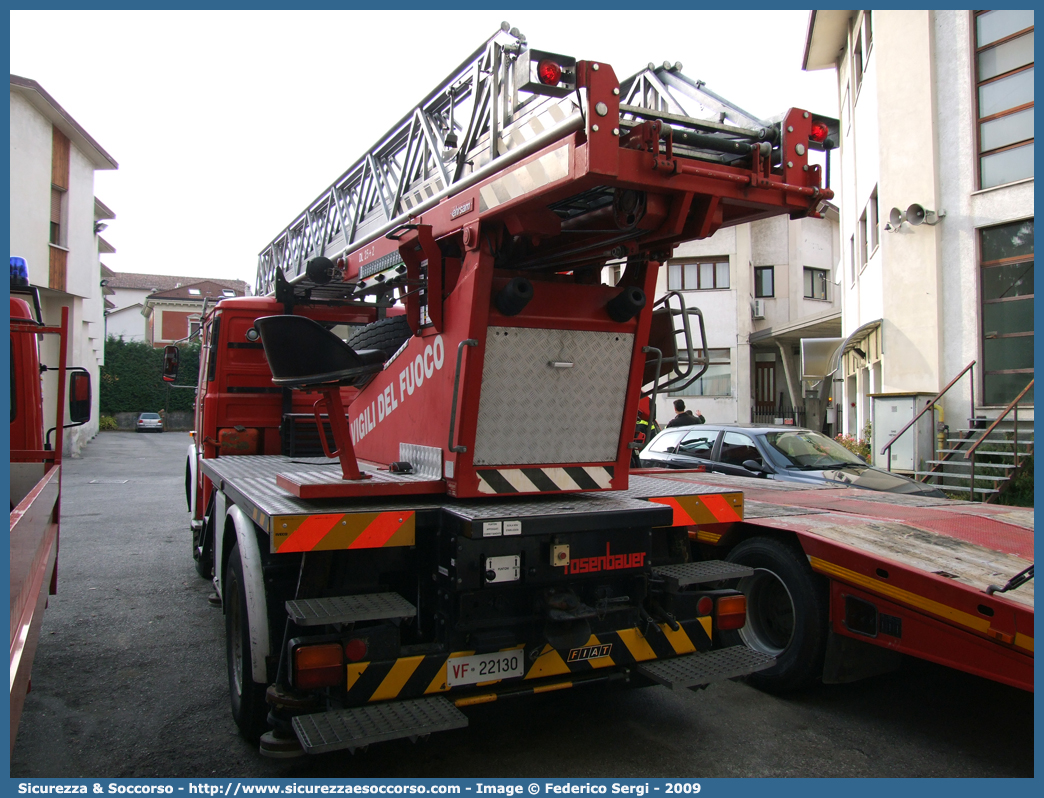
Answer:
(131, 380)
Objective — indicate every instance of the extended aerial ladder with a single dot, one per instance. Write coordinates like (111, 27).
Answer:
(493, 111)
(520, 177)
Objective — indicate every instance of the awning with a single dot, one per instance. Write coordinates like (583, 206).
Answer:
(851, 342)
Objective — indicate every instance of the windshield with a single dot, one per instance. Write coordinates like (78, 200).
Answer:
(807, 450)
(150, 415)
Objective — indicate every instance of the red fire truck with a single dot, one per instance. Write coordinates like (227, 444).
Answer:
(35, 474)
(409, 477)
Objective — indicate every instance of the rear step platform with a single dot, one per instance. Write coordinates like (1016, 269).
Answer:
(374, 723)
(349, 609)
(695, 573)
(695, 670)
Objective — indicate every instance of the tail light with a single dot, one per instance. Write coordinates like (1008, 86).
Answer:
(355, 650)
(705, 606)
(819, 132)
(319, 665)
(730, 612)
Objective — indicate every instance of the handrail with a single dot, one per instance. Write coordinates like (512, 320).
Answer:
(931, 403)
(999, 419)
(1015, 447)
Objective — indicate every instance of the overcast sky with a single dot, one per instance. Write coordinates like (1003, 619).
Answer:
(227, 124)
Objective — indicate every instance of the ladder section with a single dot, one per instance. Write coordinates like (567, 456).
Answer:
(484, 116)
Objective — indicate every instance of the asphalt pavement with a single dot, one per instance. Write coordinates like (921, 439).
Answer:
(129, 680)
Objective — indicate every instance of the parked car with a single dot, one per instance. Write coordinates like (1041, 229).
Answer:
(789, 454)
(150, 422)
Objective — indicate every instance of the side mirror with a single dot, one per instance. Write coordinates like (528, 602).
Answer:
(170, 363)
(79, 397)
(755, 466)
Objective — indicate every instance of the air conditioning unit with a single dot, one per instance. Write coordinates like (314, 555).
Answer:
(759, 309)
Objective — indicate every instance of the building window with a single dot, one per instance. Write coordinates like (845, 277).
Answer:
(857, 63)
(194, 292)
(851, 261)
(698, 275)
(57, 196)
(816, 283)
(872, 222)
(1004, 78)
(193, 326)
(716, 380)
(1007, 310)
(227, 292)
(864, 248)
(764, 281)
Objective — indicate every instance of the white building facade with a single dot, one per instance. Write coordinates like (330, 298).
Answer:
(54, 215)
(936, 112)
(761, 287)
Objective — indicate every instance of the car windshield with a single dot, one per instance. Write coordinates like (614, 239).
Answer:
(150, 415)
(804, 449)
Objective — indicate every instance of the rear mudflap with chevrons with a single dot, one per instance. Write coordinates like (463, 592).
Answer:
(544, 479)
(410, 677)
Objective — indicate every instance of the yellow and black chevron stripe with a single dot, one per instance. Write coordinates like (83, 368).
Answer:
(409, 677)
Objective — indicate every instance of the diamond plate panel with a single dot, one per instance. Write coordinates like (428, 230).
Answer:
(694, 573)
(348, 609)
(533, 413)
(426, 460)
(694, 670)
(359, 726)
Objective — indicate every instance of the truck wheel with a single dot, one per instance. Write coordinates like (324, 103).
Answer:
(384, 334)
(787, 607)
(204, 562)
(188, 484)
(249, 709)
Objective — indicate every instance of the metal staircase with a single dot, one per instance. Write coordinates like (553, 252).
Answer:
(487, 114)
(981, 461)
(999, 457)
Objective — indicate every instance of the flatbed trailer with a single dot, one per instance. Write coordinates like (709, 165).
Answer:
(904, 574)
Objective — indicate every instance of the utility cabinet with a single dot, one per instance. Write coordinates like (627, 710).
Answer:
(889, 413)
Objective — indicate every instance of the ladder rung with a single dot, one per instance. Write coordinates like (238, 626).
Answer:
(349, 609)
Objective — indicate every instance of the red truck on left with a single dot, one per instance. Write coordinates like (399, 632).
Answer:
(35, 472)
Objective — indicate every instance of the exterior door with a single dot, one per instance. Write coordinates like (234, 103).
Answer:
(764, 387)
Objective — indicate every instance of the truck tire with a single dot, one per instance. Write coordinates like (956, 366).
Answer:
(384, 334)
(787, 614)
(188, 484)
(249, 709)
(204, 563)
(204, 560)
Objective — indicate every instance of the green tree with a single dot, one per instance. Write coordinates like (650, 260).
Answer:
(132, 382)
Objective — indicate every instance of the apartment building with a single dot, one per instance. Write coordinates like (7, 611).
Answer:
(936, 204)
(55, 225)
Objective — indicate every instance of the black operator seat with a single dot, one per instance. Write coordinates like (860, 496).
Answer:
(304, 354)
